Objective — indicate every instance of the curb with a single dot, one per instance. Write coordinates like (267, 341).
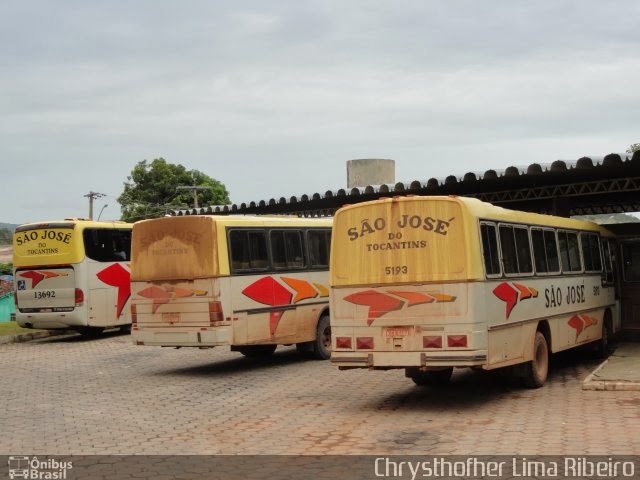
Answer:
(26, 337)
(591, 383)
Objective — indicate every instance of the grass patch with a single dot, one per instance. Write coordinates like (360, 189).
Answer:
(12, 328)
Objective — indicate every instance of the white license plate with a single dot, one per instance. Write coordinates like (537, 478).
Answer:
(170, 317)
(397, 332)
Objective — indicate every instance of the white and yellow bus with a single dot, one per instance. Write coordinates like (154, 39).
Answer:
(72, 274)
(427, 284)
(251, 283)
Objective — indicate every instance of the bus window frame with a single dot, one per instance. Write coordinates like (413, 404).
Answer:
(493, 225)
(325, 234)
(289, 264)
(513, 226)
(542, 231)
(568, 232)
(248, 270)
(588, 236)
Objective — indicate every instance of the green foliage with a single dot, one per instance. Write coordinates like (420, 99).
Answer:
(6, 268)
(6, 236)
(634, 147)
(151, 190)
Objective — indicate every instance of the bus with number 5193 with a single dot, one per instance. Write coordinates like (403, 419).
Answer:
(429, 284)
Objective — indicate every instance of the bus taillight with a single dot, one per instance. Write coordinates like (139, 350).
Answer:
(432, 341)
(215, 313)
(364, 343)
(79, 297)
(456, 340)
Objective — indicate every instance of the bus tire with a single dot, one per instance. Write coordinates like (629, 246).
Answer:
(433, 378)
(322, 343)
(257, 351)
(536, 371)
(603, 346)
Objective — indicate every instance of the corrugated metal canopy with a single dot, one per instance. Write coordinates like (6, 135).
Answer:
(589, 185)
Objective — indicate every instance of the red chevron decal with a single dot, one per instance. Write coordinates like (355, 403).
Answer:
(36, 276)
(117, 276)
(415, 298)
(581, 322)
(274, 320)
(268, 291)
(378, 303)
(508, 294)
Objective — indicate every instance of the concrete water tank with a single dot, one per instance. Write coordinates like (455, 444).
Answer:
(370, 171)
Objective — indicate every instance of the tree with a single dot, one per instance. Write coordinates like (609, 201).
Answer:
(6, 268)
(634, 147)
(151, 190)
(6, 236)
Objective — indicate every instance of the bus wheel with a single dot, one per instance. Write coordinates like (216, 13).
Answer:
(536, 370)
(322, 343)
(90, 332)
(256, 351)
(435, 378)
(603, 346)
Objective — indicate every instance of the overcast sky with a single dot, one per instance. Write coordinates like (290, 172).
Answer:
(272, 98)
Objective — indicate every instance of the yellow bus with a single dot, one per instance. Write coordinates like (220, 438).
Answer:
(427, 284)
(72, 274)
(248, 282)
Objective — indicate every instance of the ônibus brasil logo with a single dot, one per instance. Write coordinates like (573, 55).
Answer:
(35, 468)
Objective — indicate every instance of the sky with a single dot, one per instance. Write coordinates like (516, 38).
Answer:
(273, 98)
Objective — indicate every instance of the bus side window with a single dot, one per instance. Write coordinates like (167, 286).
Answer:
(293, 248)
(608, 263)
(591, 252)
(545, 250)
(286, 249)
(239, 250)
(516, 251)
(318, 242)
(569, 251)
(248, 250)
(551, 247)
(258, 250)
(490, 249)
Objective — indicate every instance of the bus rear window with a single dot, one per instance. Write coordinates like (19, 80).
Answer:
(107, 244)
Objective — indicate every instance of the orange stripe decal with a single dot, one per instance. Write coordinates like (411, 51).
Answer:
(303, 289)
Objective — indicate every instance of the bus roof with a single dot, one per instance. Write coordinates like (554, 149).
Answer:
(82, 223)
(248, 220)
(487, 211)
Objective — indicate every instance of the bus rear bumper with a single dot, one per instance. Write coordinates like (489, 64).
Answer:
(184, 338)
(390, 360)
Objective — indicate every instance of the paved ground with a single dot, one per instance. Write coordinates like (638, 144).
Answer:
(68, 395)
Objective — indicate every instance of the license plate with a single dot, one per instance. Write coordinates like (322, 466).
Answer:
(397, 332)
(170, 317)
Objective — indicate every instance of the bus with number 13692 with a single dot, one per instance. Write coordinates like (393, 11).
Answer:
(72, 274)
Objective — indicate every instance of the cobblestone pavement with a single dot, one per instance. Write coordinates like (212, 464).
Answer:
(70, 395)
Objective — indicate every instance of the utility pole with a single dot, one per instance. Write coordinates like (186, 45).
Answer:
(195, 189)
(92, 196)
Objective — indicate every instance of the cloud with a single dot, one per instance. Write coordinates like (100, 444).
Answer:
(273, 98)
